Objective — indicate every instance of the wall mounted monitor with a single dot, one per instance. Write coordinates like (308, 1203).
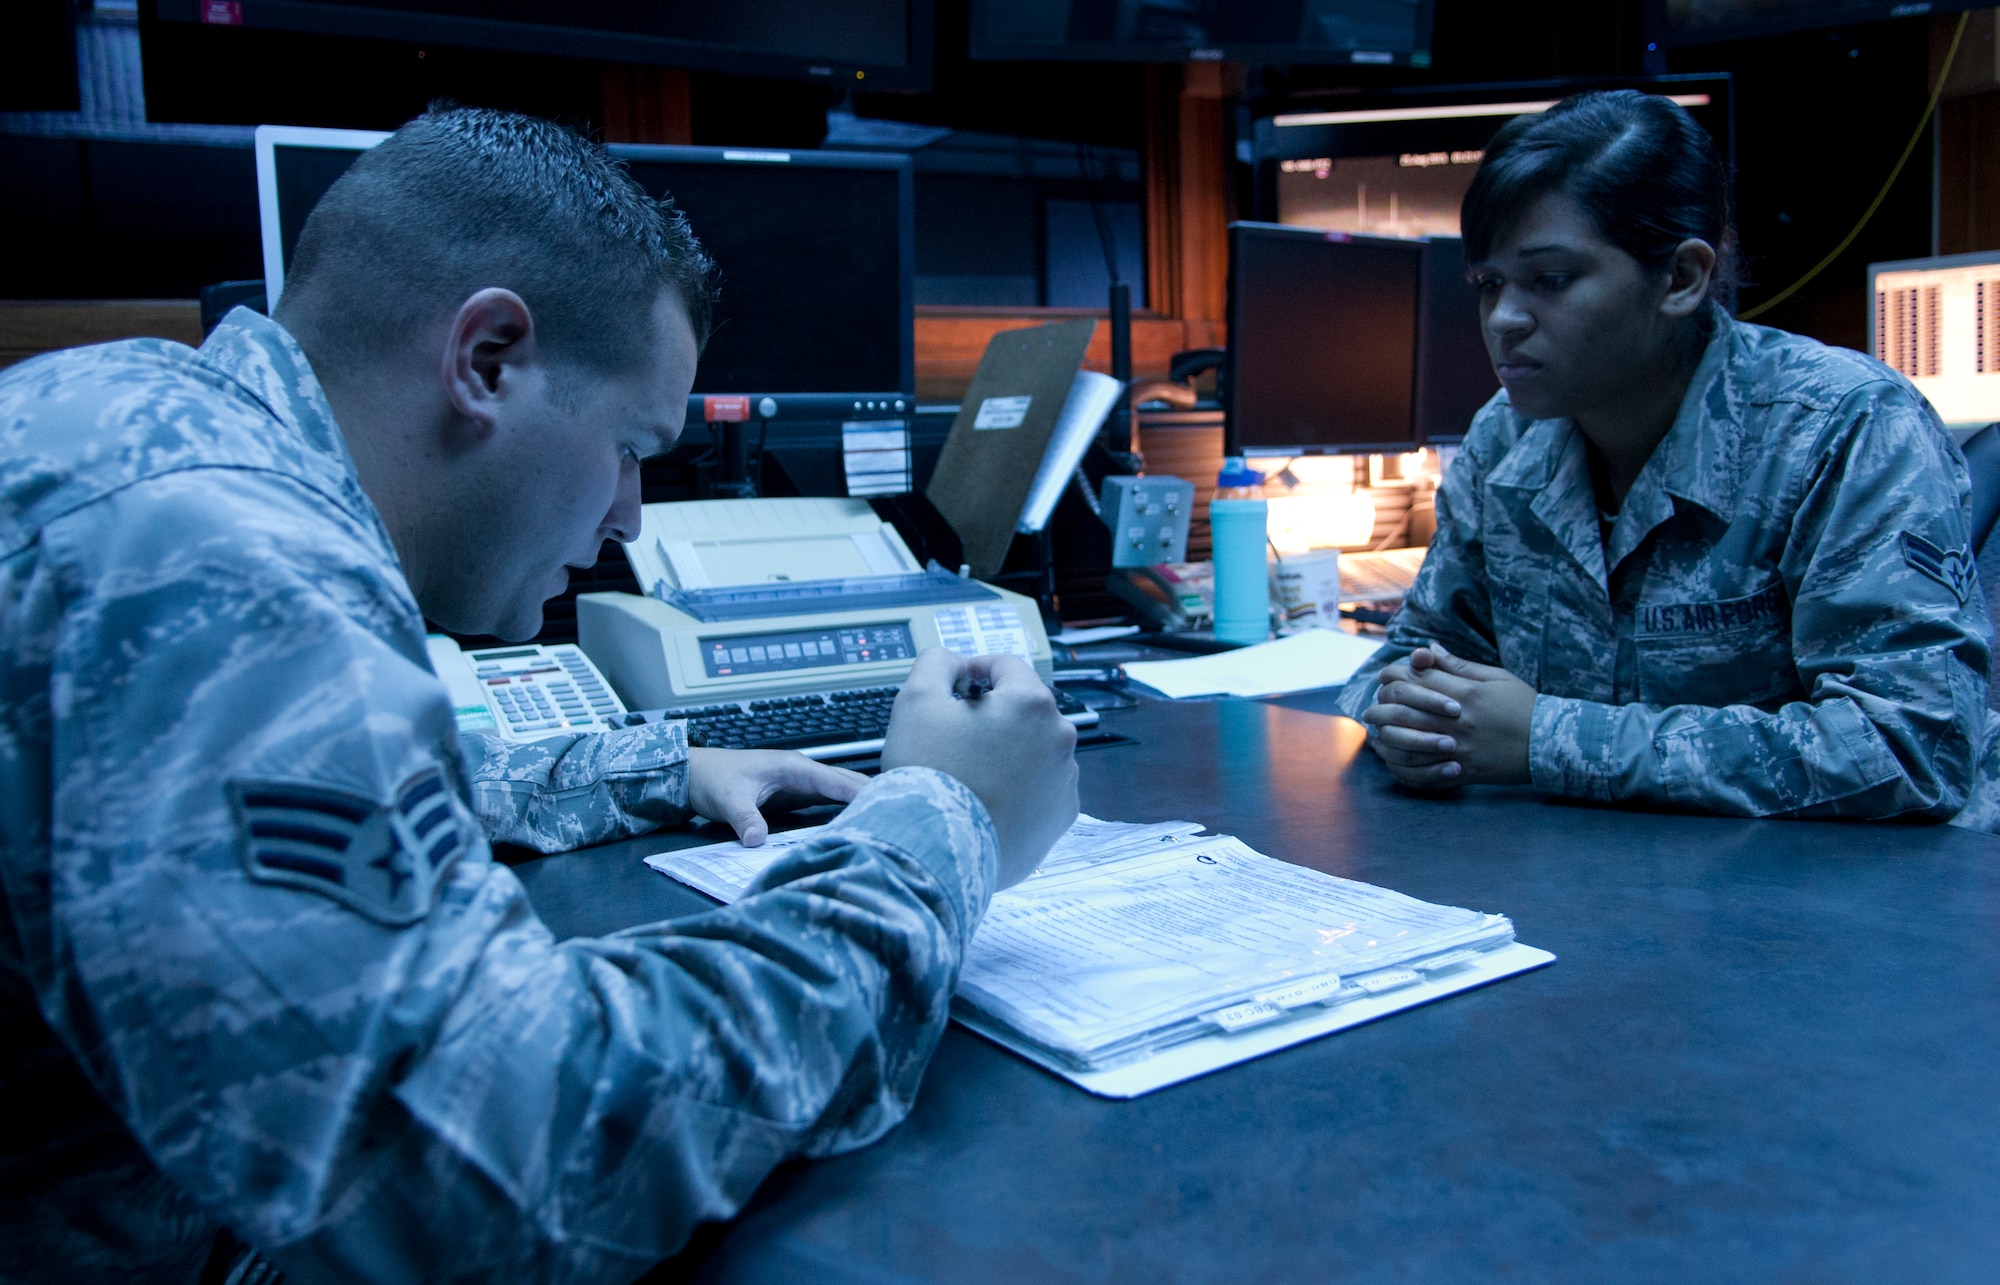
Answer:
(1938, 321)
(882, 44)
(1322, 342)
(1670, 23)
(1397, 163)
(816, 251)
(1379, 32)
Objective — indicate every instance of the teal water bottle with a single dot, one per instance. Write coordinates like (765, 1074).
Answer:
(1236, 518)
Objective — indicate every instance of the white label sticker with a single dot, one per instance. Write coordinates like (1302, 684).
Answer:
(1393, 979)
(983, 631)
(1002, 412)
(1240, 1017)
(1309, 990)
(1450, 959)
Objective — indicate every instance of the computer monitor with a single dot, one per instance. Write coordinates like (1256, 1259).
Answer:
(1322, 341)
(818, 259)
(295, 166)
(1938, 321)
(871, 44)
(1397, 163)
(816, 252)
(1365, 32)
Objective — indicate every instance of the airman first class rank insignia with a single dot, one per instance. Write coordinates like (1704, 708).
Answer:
(1951, 568)
(384, 860)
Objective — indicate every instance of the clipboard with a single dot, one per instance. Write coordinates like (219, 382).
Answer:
(1003, 430)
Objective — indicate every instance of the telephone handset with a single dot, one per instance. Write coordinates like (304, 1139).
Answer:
(527, 692)
(1172, 596)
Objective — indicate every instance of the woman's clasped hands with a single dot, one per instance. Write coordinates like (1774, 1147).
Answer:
(1440, 721)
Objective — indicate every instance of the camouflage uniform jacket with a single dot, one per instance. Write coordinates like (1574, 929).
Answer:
(258, 968)
(1781, 620)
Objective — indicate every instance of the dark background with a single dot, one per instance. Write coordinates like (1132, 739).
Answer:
(1821, 117)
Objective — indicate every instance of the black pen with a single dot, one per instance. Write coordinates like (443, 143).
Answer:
(973, 690)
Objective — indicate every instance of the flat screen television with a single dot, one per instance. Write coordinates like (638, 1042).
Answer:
(1378, 32)
(882, 44)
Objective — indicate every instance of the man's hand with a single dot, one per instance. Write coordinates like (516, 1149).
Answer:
(731, 785)
(992, 724)
(1441, 721)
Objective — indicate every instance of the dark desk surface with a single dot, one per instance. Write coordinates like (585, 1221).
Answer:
(1770, 1050)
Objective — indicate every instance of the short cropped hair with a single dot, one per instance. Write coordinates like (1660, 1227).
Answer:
(461, 199)
(1644, 170)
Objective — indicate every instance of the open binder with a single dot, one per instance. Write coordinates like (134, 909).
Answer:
(1139, 956)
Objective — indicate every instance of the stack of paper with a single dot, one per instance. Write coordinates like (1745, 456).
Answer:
(1141, 955)
(1315, 658)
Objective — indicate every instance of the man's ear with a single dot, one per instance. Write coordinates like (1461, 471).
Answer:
(1690, 272)
(490, 341)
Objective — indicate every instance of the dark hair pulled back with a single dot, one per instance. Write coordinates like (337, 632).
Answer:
(1638, 164)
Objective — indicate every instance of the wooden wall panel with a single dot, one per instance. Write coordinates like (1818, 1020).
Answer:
(1969, 173)
(1193, 452)
(28, 327)
(950, 342)
(1187, 213)
(1187, 191)
(647, 105)
(1968, 135)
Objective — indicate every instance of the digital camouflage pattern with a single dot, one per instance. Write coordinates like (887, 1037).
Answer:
(1782, 619)
(258, 969)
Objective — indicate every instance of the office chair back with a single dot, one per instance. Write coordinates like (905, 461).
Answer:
(1982, 461)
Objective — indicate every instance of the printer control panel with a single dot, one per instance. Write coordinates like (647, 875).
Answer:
(796, 649)
(658, 657)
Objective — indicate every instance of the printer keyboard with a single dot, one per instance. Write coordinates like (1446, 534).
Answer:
(821, 725)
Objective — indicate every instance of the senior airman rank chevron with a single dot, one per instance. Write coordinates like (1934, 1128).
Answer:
(384, 860)
(1952, 568)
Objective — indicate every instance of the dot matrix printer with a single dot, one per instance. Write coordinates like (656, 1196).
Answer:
(789, 621)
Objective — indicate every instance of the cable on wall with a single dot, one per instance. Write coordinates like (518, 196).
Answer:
(1951, 56)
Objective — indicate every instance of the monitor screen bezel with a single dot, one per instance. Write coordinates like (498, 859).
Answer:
(1931, 263)
(267, 140)
(1232, 438)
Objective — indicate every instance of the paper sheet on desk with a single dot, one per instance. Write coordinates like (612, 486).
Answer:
(1112, 964)
(1315, 658)
(1215, 1052)
(1101, 963)
(725, 871)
